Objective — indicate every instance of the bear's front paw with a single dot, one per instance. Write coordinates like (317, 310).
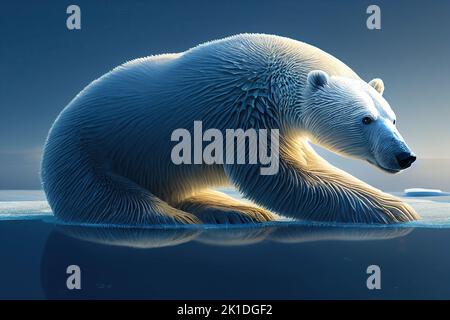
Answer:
(401, 212)
(385, 208)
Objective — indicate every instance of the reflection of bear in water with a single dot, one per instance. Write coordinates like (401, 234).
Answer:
(167, 264)
(107, 157)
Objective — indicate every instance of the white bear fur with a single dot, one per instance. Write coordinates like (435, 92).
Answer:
(107, 156)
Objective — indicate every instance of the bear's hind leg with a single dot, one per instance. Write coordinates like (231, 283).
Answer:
(141, 206)
(217, 208)
(107, 198)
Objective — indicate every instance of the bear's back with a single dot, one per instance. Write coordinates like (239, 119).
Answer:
(254, 52)
(243, 56)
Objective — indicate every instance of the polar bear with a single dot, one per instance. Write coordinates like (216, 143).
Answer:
(107, 158)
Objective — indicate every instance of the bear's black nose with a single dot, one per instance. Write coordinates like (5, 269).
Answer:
(405, 159)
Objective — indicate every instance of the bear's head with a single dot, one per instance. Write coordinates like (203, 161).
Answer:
(351, 117)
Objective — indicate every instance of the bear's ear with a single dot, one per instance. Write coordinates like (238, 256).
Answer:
(317, 79)
(378, 85)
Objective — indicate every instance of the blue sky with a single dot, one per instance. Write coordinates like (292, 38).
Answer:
(43, 65)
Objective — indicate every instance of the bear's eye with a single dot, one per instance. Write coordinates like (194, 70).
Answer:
(367, 120)
(394, 122)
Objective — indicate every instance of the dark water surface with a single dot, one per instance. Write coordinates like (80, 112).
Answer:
(291, 261)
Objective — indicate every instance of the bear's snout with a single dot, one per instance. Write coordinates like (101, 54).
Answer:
(405, 159)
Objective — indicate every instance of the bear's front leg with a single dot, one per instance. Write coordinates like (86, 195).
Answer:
(312, 189)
